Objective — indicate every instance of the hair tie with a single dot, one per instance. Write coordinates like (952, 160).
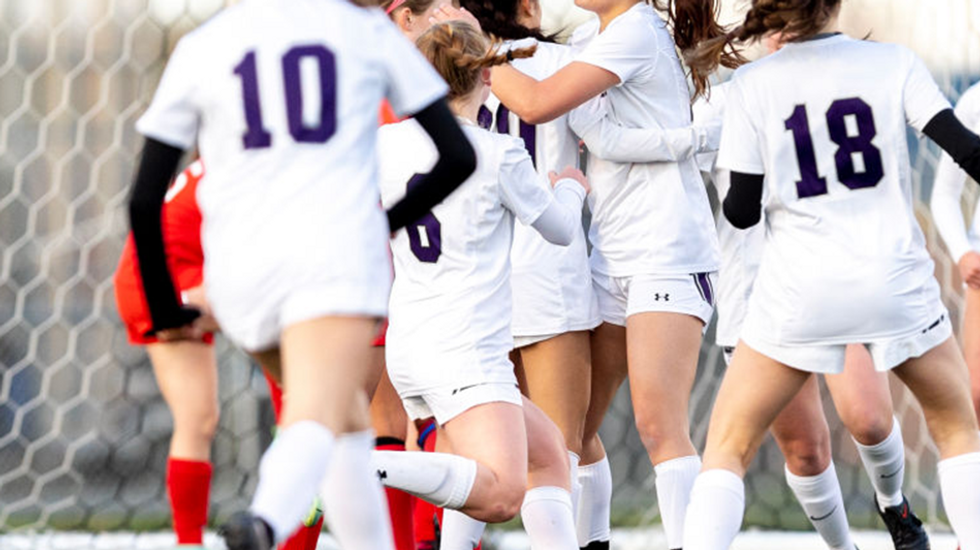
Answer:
(510, 55)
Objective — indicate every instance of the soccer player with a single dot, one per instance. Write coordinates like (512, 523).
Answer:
(963, 244)
(282, 99)
(654, 245)
(449, 333)
(821, 124)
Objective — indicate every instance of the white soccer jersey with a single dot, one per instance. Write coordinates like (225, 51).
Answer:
(450, 308)
(282, 98)
(552, 290)
(652, 217)
(825, 121)
(948, 188)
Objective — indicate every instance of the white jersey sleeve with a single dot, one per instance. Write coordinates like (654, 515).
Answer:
(950, 179)
(521, 189)
(921, 95)
(740, 149)
(624, 52)
(174, 115)
(413, 84)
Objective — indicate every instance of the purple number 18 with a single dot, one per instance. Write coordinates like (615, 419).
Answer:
(811, 184)
(256, 135)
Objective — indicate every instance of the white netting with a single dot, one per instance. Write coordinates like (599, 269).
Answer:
(83, 430)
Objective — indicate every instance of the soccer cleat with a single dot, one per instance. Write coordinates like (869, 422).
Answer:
(597, 545)
(246, 532)
(906, 529)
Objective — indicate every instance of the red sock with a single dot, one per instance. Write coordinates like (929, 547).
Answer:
(399, 503)
(305, 538)
(189, 484)
(425, 514)
(275, 395)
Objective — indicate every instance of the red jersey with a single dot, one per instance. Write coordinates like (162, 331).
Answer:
(181, 220)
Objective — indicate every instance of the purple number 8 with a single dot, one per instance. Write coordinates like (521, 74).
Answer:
(427, 251)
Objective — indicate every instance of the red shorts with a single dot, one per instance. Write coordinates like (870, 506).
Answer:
(131, 302)
(379, 341)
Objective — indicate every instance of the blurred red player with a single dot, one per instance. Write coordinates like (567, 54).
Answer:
(186, 370)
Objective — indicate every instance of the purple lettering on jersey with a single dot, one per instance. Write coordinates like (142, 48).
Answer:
(426, 252)
(256, 136)
(527, 132)
(810, 184)
(861, 143)
(484, 118)
(292, 80)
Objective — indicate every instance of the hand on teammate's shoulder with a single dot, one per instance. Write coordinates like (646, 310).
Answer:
(970, 269)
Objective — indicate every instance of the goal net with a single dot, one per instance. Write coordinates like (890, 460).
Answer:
(83, 430)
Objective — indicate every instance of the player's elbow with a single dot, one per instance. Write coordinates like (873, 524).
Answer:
(741, 218)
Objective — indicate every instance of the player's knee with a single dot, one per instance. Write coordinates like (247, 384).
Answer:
(660, 438)
(506, 504)
(197, 428)
(806, 456)
(871, 429)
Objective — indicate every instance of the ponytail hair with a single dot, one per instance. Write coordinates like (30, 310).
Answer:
(499, 19)
(795, 20)
(693, 23)
(458, 52)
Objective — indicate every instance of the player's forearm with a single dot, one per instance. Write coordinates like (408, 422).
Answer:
(945, 205)
(961, 144)
(456, 163)
(156, 169)
(563, 217)
(743, 205)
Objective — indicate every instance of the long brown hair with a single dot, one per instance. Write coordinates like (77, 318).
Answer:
(458, 52)
(796, 20)
(692, 23)
(499, 19)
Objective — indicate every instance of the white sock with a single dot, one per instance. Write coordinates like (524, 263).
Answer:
(959, 479)
(459, 531)
(289, 474)
(595, 499)
(674, 481)
(821, 498)
(440, 478)
(885, 465)
(547, 517)
(714, 515)
(353, 500)
(573, 460)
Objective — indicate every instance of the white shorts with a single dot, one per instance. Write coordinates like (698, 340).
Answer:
(256, 323)
(887, 353)
(621, 297)
(446, 404)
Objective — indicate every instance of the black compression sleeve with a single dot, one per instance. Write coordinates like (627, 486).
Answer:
(743, 205)
(457, 161)
(156, 169)
(961, 144)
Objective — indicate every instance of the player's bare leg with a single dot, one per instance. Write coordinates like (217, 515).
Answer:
(755, 389)
(187, 374)
(558, 376)
(863, 401)
(939, 379)
(803, 436)
(971, 343)
(324, 365)
(663, 353)
(609, 370)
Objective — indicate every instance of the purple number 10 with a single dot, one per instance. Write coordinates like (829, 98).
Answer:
(256, 135)
(429, 249)
(811, 183)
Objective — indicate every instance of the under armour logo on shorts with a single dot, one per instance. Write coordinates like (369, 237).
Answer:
(656, 297)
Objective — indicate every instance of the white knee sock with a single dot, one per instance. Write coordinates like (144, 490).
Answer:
(592, 522)
(959, 479)
(440, 478)
(714, 515)
(353, 500)
(459, 531)
(576, 486)
(821, 498)
(547, 517)
(674, 481)
(885, 465)
(289, 474)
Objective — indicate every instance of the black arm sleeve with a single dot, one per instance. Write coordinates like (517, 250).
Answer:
(743, 204)
(156, 170)
(457, 161)
(961, 144)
